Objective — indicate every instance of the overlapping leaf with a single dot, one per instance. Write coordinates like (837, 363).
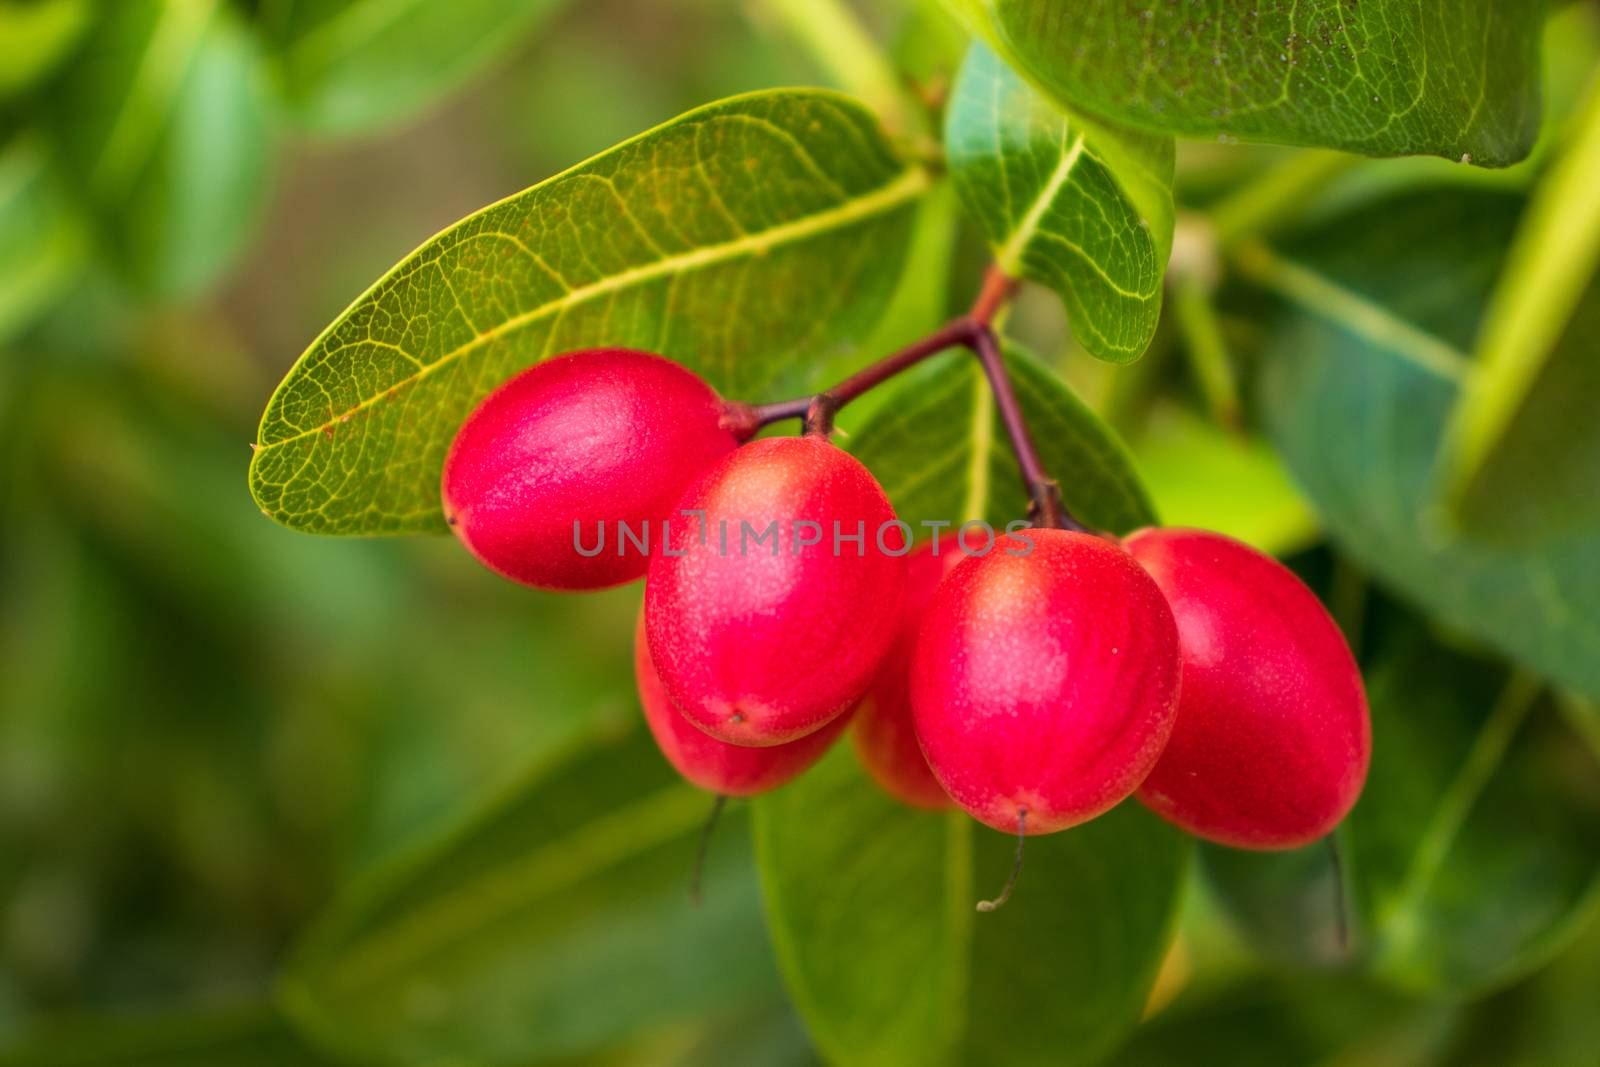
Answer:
(871, 903)
(1382, 77)
(1474, 852)
(1071, 204)
(556, 922)
(1361, 372)
(353, 66)
(164, 118)
(754, 240)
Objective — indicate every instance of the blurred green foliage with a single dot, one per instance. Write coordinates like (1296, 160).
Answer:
(212, 728)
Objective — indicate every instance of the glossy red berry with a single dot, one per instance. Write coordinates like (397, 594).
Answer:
(764, 625)
(729, 770)
(1272, 741)
(596, 438)
(1045, 683)
(884, 733)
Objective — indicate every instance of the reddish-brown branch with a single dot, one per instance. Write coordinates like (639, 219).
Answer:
(972, 331)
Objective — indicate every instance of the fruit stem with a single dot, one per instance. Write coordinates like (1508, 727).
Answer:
(987, 906)
(1341, 904)
(700, 851)
(1046, 508)
(973, 331)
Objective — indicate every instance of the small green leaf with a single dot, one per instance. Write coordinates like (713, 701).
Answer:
(1383, 78)
(1360, 374)
(359, 66)
(555, 922)
(1074, 205)
(164, 120)
(940, 451)
(1473, 855)
(755, 240)
(240, 1037)
(42, 238)
(871, 906)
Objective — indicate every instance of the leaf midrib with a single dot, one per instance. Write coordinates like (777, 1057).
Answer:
(904, 188)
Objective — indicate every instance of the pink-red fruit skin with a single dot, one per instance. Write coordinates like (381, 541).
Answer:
(1045, 682)
(762, 643)
(731, 770)
(595, 437)
(1272, 740)
(884, 734)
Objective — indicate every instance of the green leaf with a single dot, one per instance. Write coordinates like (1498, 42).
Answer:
(164, 120)
(358, 66)
(1473, 855)
(940, 451)
(871, 903)
(1361, 372)
(42, 238)
(1074, 205)
(34, 37)
(871, 906)
(241, 1037)
(1522, 448)
(1383, 78)
(755, 240)
(556, 921)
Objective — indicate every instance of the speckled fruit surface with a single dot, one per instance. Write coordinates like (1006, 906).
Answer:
(1272, 740)
(596, 437)
(1046, 682)
(732, 770)
(884, 735)
(760, 643)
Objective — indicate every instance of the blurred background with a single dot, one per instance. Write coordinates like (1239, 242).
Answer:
(208, 722)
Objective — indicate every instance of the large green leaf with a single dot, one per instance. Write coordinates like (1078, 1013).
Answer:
(871, 908)
(244, 1037)
(755, 240)
(42, 238)
(1383, 77)
(1474, 852)
(164, 119)
(939, 449)
(353, 66)
(1073, 205)
(555, 922)
(871, 903)
(1361, 371)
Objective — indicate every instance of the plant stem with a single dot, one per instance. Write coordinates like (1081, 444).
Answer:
(973, 332)
(835, 38)
(1046, 508)
(1207, 351)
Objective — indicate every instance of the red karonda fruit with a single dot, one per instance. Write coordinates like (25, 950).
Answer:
(724, 769)
(763, 624)
(1045, 684)
(563, 453)
(884, 733)
(1272, 741)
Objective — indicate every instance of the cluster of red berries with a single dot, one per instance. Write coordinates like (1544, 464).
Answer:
(1035, 684)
